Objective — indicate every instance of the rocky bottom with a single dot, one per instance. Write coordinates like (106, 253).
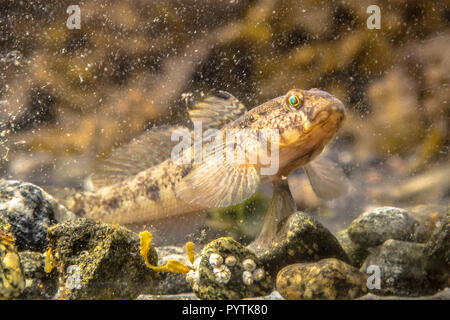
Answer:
(385, 253)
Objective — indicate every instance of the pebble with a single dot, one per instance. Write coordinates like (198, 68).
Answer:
(324, 279)
(29, 210)
(354, 251)
(38, 283)
(430, 218)
(244, 278)
(375, 226)
(402, 269)
(12, 280)
(437, 253)
(300, 239)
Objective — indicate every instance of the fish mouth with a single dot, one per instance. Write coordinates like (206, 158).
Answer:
(332, 113)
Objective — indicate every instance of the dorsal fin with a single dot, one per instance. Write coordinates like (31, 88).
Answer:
(155, 145)
(143, 152)
(216, 110)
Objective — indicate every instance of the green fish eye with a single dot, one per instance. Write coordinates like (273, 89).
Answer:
(294, 100)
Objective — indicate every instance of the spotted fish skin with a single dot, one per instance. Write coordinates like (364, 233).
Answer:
(153, 194)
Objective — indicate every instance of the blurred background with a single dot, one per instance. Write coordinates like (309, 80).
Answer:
(69, 97)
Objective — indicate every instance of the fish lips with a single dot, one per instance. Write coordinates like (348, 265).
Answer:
(332, 113)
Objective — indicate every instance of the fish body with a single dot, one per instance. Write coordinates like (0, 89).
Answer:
(131, 194)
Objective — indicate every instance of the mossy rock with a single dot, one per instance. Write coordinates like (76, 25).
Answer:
(402, 269)
(29, 210)
(374, 227)
(38, 283)
(354, 251)
(12, 280)
(300, 238)
(228, 270)
(99, 261)
(325, 279)
(430, 218)
(437, 251)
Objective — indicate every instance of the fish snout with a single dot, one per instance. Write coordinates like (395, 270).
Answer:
(335, 109)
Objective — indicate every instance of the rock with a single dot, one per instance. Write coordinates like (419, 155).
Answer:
(38, 283)
(325, 279)
(430, 218)
(300, 239)
(402, 269)
(170, 283)
(29, 210)
(181, 296)
(441, 295)
(12, 281)
(354, 251)
(99, 261)
(374, 227)
(228, 270)
(437, 251)
(275, 295)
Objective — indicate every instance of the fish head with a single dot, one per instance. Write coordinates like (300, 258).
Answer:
(310, 118)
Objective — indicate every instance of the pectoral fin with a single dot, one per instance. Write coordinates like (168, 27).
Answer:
(327, 180)
(215, 186)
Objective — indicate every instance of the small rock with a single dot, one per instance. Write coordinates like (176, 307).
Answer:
(229, 281)
(430, 218)
(12, 280)
(441, 295)
(325, 279)
(354, 251)
(300, 238)
(374, 227)
(99, 261)
(402, 269)
(275, 295)
(29, 210)
(38, 283)
(437, 251)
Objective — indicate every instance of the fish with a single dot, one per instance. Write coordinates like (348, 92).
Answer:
(145, 183)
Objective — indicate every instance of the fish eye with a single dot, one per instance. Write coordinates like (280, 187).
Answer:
(294, 100)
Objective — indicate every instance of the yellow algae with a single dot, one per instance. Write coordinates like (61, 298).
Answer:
(50, 261)
(190, 251)
(171, 265)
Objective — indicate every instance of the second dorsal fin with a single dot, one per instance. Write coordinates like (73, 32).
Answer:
(143, 152)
